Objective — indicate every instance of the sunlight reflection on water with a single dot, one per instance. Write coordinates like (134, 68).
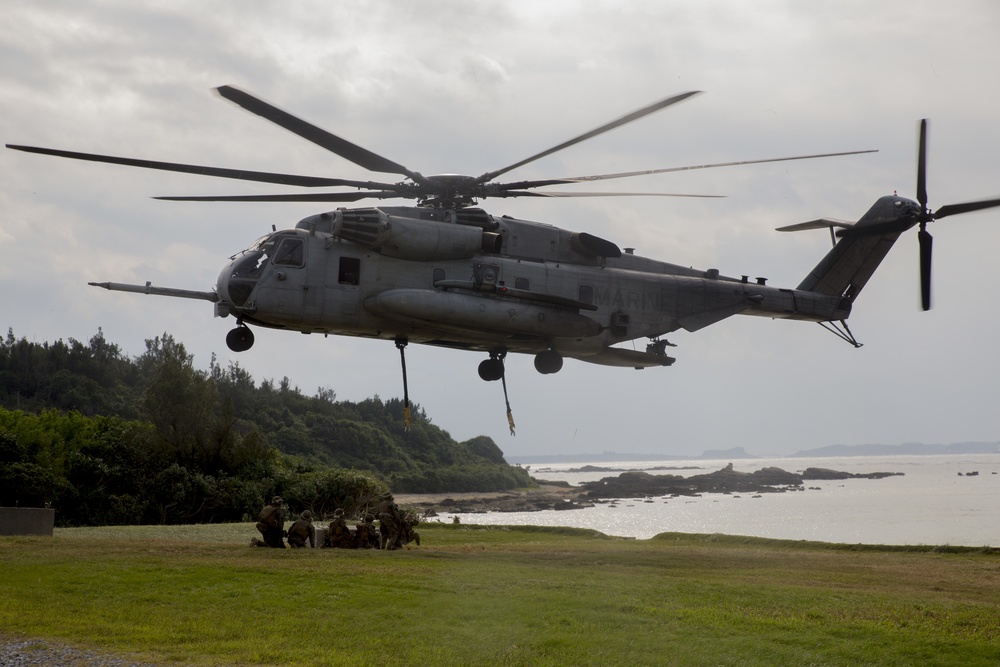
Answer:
(930, 504)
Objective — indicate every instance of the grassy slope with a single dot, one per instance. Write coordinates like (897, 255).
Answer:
(475, 595)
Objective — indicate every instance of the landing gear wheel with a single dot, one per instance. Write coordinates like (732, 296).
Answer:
(491, 369)
(548, 362)
(240, 339)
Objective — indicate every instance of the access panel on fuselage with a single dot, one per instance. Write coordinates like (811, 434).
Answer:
(345, 269)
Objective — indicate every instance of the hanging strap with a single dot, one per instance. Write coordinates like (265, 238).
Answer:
(503, 380)
(401, 346)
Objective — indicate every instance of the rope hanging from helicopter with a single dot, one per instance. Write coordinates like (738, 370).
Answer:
(503, 381)
(401, 346)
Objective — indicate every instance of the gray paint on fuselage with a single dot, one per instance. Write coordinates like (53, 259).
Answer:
(656, 297)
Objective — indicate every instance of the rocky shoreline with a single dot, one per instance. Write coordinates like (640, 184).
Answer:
(632, 484)
(546, 496)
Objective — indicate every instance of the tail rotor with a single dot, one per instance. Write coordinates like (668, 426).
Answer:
(921, 217)
(924, 238)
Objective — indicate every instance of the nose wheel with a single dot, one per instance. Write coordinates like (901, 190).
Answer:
(240, 339)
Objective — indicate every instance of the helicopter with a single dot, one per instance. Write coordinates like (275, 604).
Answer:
(445, 272)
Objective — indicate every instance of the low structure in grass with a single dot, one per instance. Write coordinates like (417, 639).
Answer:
(27, 521)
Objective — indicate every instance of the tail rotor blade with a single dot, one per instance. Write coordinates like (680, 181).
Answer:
(922, 167)
(926, 245)
(968, 207)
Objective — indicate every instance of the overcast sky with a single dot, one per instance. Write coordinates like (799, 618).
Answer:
(467, 87)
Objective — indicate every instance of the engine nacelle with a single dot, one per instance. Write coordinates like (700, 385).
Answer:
(409, 238)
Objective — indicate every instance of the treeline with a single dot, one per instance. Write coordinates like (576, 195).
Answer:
(110, 439)
(109, 471)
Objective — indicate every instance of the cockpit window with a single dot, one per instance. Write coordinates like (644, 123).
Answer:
(290, 253)
(253, 260)
(248, 267)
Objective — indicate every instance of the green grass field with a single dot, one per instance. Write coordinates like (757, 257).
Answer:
(476, 595)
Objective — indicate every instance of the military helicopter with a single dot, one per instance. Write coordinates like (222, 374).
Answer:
(445, 272)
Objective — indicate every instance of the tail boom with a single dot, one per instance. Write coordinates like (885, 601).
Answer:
(846, 269)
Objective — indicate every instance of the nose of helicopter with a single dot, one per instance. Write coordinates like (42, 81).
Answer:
(222, 284)
(239, 277)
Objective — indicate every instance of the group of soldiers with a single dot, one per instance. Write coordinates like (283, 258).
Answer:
(395, 529)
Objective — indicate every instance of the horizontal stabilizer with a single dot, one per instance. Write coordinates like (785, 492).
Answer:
(822, 223)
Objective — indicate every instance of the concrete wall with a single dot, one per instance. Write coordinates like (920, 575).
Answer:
(26, 521)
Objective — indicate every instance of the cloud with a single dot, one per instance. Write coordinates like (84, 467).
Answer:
(459, 87)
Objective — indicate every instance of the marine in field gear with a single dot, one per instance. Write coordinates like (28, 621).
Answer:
(338, 535)
(301, 531)
(366, 534)
(271, 524)
(389, 519)
(406, 532)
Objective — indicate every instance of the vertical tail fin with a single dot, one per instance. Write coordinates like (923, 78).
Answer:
(846, 269)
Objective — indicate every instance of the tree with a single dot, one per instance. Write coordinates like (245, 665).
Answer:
(182, 403)
(225, 442)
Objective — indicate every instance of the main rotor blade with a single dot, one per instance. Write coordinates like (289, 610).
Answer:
(309, 197)
(629, 174)
(968, 207)
(520, 185)
(922, 168)
(635, 115)
(549, 193)
(926, 246)
(240, 174)
(331, 142)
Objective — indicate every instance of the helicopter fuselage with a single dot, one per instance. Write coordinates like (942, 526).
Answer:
(466, 279)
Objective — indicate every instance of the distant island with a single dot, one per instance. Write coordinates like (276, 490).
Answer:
(738, 453)
(905, 449)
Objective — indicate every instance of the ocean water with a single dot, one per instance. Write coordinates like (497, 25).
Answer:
(930, 504)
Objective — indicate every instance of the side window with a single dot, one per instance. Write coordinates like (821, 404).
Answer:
(521, 283)
(587, 294)
(289, 253)
(439, 274)
(350, 271)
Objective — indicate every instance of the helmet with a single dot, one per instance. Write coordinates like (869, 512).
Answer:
(369, 517)
(276, 500)
(338, 512)
(387, 495)
(307, 515)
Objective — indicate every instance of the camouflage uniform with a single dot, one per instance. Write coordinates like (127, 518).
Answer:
(301, 531)
(338, 535)
(389, 520)
(406, 532)
(366, 534)
(271, 525)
